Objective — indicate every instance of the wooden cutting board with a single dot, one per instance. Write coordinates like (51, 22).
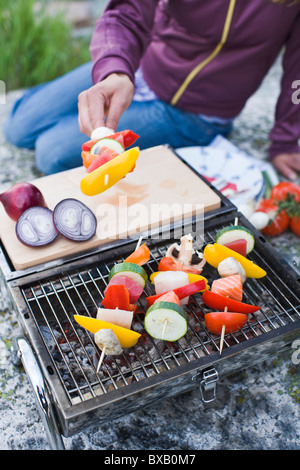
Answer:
(161, 189)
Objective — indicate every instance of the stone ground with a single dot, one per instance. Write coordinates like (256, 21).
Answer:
(255, 409)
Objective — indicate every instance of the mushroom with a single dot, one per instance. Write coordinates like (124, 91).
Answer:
(185, 254)
(230, 266)
(107, 341)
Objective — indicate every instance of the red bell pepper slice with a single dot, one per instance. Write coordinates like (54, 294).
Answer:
(169, 264)
(129, 138)
(86, 147)
(214, 321)
(120, 139)
(181, 292)
(220, 302)
(117, 296)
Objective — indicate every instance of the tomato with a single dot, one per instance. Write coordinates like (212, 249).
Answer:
(283, 208)
(240, 246)
(295, 224)
(279, 219)
(283, 189)
(232, 321)
(289, 202)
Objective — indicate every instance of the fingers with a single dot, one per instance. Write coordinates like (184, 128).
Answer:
(109, 98)
(91, 110)
(116, 108)
(121, 98)
(285, 170)
(288, 165)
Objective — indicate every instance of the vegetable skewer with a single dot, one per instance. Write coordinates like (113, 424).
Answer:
(222, 339)
(164, 329)
(101, 360)
(109, 344)
(222, 334)
(165, 319)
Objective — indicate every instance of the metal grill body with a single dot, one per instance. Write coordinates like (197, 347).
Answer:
(47, 299)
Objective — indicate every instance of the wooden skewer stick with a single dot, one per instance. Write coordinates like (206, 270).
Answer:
(101, 359)
(222, 334)
(164, 328)
(139, 243)
(222, 339)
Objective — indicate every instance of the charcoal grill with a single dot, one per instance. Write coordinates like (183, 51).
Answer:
(61, 358)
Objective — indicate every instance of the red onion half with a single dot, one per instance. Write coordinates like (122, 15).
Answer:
(74, 220)
(20, 197)
(35, 227)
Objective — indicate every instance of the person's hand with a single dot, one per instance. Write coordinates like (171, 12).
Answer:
(107, 99)
(288, 164)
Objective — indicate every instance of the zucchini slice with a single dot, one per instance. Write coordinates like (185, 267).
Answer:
(166, 321)
(106, 142)
(233, 233)
(134, 271)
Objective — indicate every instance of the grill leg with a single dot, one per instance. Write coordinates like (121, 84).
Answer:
(23, 351)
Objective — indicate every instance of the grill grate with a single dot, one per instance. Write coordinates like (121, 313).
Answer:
(52, 303)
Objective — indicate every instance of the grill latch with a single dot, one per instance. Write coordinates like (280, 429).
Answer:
(208, 384)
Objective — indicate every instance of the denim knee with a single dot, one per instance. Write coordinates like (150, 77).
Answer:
(18, 128)
(49, 161)
(16, 134)
(45, 165)
(51, 157)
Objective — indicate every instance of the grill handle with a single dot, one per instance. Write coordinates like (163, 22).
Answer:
(208, 384)
(22, 350)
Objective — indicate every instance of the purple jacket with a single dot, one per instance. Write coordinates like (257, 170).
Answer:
(205, 56)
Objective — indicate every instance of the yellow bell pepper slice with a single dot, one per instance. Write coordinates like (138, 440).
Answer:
(110, 173)
(192, 277)
(127, 338)
(215, 253)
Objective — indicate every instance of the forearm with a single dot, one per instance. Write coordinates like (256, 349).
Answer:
(121, 37)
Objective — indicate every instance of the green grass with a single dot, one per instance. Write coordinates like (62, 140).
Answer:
(36, 48)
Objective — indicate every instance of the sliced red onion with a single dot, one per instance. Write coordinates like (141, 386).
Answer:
(74, 220)
(35, 227)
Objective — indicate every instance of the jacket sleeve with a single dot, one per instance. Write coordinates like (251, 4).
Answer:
(121, 37)
(285, 134)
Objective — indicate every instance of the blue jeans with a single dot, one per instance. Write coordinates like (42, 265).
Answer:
(45, 119)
